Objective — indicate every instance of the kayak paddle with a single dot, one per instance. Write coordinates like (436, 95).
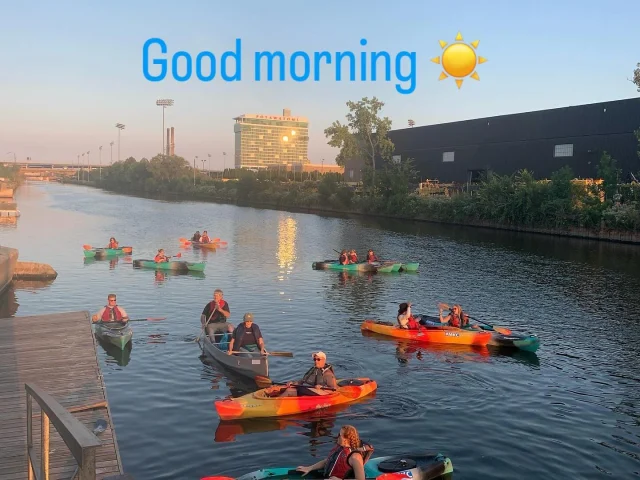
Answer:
(347, 391)
(124, 249)
(150, 319)
(274, 354)
(501, 330)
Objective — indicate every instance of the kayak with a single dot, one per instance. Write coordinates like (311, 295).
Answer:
(107, 252)
(261, 404)
(172, 265)
(386, 267)
(425, 466)
(409, 267)
(505, 339)
(429, 334)
(208, 246)
(116, 334)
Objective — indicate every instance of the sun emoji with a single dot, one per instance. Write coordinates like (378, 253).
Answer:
(459, 60)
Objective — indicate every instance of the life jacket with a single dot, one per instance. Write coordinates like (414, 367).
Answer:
(254, 330)
(212, 305)
(315, 375)
(113, 245)
(412, 324)
(344, 259)
(337, 464)
(372, 257)
(205, 239)
(160, 258)
(353, 258)
(111, 314)
(455, 320)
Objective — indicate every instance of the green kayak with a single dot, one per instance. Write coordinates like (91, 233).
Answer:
(357, 267)
(107, 252)
(173, 265)
(117, 334)
(409, 267)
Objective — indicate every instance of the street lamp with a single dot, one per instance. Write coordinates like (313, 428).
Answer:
(194, 170)
(209, 155)
(120, 127)
(78, 172)
(88, 165)
(224, 163)
(81, 169)
(100, 160)
(203, 162)
(111, 158)
(164, 103)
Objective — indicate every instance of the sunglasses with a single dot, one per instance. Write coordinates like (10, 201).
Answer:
(112, 299)
(316, 359)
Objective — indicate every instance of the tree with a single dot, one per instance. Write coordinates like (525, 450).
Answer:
(608, 171)
(364, 135)
(636, 76)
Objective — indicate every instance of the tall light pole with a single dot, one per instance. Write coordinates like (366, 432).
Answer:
(164, 103)
(194, 171)
(209, 155)
(100, 160)
(224, 163)
(88, 165)
(120, 127)
(81, 168)
(111, 159)
(78, 172)
(203, 162)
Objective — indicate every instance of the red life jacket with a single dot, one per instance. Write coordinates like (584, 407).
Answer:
(353, 257)
(455, 321)
(212, 304)
(412, 324)
(205, 239)
(372, 257)
(344, 259)
(338, 460)
(113, 245)
(107, 317)
(159, 258)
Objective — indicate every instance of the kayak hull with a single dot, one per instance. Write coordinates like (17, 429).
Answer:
(172, 265)
(206, 246)
(107, 252)
(259, 404)
(386, 267)
(116, 335)
(527, 343)
(247, 365)
(422, 466)
(446, 334)
(410, 267)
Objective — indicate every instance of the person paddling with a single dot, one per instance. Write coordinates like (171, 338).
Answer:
(353, 256)
(320, 377)
(346, 459)
(111, 312)
(112, 243)
(160, 256)
(214, 316)
(405, 318)
(205, 237)
(247, 337)
(371, 257)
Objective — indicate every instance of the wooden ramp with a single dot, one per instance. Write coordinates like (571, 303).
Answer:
(58, 354)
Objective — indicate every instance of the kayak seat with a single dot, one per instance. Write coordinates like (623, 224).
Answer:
(380, 322)
(397, 464)
(350, 381)
(311, 474)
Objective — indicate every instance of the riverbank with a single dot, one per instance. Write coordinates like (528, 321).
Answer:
(8, 261)
(445, 211)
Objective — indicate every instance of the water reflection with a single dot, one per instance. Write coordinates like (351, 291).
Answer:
(286, 253)
(217, 373)
(111, 261)
(114, 355)
(9, 301)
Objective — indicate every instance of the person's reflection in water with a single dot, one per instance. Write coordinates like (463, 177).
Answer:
(160, 277)
(112, 263)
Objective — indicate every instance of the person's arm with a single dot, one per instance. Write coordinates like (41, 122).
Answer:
(310, 468)
(224, 310)
(98, 315)
(125, 317)
(206, 312)
(232, 341)
(330, 379)
(357, 465)
(403, 320)
(260, 339)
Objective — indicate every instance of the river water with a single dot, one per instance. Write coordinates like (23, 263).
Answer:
(569, 411)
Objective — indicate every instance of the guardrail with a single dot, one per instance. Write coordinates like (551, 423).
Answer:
(81, 442)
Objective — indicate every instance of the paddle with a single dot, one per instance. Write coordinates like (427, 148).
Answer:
(188, 242)
(346, 391)
(502, 330)
(273, 354)
(124, 249)
(148, 319)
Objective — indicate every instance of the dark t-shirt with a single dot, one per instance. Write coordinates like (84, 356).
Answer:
(217, 317)
(246, 336)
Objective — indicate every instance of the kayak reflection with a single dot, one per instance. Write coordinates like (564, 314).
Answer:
(317, 425)
(215, 372)
(114, 354)
(163, 275)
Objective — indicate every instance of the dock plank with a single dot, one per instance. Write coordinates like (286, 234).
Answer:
(57, 353)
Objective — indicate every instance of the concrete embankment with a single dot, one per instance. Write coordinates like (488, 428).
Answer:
(34, 271)
(8, 261)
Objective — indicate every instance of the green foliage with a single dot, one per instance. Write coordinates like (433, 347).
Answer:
(364, 136)
(636, 76)
(10, 172)
(610, 174)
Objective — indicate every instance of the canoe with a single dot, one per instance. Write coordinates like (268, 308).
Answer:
(505, 340)
(444, 334)
(250, 366)
(107, 252)
(385, 267)
(418, 466)
(116, 334)
(172, 265)
(259, 404)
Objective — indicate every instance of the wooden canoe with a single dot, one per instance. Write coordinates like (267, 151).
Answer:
(249, 365)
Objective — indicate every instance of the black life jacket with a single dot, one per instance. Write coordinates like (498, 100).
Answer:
(315, 375)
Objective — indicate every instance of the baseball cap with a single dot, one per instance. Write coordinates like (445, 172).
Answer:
(319, 354)
(248, 317)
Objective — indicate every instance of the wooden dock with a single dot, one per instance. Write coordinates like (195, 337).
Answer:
(57, 353)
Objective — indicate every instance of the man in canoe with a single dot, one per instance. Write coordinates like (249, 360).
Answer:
(112, 243)
(214, 316)
(320, 377)
(111, 312)
(247, 337)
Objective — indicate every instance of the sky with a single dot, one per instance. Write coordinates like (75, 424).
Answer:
(71, 70)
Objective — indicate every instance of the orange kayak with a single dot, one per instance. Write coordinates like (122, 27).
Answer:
(261, 404)
(451, 335)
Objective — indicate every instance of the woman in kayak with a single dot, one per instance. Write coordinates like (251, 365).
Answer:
(112, 243)
(371, 257)
(353, 256)
(346, 459)
(161, 257)
(344, 258)
(405, 319)
(454, 318)
(205, 237)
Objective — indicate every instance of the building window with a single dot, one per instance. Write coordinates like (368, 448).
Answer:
(447, 156)
(351, 173)
(565, 150)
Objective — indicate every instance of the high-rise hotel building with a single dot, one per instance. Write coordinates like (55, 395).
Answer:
(269, 140)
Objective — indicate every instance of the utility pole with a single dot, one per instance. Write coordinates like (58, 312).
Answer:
(194, 171)
(111, 158)
(224, 163)
(88, 166)
(120, 127)
(78, 171)
(164, 103)
(100, 160)
(209, 155)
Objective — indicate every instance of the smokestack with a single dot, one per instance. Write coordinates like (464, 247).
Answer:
(173, 144)
(166, 150)
(286, 112)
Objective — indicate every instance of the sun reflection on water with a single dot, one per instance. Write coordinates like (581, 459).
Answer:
(286, 253)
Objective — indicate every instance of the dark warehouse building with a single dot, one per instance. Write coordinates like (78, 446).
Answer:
(542, 142)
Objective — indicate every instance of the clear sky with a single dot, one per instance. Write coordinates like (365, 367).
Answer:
(71, 70)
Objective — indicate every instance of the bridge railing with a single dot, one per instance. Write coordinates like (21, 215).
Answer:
(81, 442)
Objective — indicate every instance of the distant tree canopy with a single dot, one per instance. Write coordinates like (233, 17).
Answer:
(636, 76)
